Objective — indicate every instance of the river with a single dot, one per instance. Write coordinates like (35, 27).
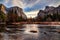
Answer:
(31, 32)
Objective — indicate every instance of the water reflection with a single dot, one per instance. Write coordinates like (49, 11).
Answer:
(30, 32)
(31, 29)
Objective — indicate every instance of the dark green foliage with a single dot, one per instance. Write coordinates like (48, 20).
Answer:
(2, 28)
(2, 16)
(20, 19)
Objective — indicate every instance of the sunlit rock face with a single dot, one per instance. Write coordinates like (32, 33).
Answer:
(3, 8)
(18, 11)
(51, 13)
(15, 10)
(13, 13)
(48, 10)
(2, 13)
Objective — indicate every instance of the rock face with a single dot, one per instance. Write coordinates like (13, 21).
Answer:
(18, 11)
(2, 8)
(49, 8)
(2, 13)
(49, 14)
(13, 13)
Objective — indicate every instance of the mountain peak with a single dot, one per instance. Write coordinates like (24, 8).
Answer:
(2, 8)
(2, 5)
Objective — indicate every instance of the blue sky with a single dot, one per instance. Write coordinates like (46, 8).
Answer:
(30, 5)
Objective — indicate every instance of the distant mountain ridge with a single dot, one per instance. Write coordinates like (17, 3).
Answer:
(18, 11)
(13, 12)
(50, 13)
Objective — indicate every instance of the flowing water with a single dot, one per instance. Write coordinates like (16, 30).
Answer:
(31, 32)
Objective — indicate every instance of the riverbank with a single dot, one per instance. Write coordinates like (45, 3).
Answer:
(44, 23)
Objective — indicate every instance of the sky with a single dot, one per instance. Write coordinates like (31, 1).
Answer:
(30, 7)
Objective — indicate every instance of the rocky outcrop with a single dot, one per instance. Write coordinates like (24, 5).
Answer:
(18, 11)
(13, 13)
(50, 13)
(2, 13)
(3, 8)
(49, 8)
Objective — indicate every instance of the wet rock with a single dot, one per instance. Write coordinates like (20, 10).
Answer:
(33, 31)
(45, 33)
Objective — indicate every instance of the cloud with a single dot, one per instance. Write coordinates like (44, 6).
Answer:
(31, 14)
(22, 3)
(14, 3)
(30, 5)
(41, 4)
(30, 2)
